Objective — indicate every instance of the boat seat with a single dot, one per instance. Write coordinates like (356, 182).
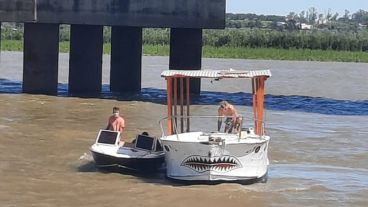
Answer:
(144, 142)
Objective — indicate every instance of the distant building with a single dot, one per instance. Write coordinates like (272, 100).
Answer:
(305, 26)
(363, 26)
(280, 24)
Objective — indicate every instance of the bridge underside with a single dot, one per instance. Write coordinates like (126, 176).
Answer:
(42, 18)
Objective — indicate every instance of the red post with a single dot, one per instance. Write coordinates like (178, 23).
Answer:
(188, 103)
(254, 92)
(260, 105)
(181, 104)
(175, 102)
(169, 106)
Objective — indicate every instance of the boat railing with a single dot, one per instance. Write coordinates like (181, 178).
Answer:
(182, 124)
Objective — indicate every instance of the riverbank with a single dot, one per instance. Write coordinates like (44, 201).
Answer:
(231, 52)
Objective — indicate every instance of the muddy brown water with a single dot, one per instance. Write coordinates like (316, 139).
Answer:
(317, 117)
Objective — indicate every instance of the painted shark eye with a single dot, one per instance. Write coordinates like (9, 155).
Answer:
(257, 149)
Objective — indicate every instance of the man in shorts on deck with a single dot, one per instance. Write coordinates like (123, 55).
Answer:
(232, 120)
(116, 123)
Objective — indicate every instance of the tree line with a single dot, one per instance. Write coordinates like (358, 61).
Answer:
(257, 38)
(332, 21)
(342, 33)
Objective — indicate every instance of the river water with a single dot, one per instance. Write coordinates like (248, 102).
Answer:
(317, 117)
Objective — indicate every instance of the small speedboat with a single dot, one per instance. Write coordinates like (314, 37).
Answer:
(144, 154)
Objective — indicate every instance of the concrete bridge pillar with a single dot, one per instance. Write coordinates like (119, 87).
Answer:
(186, 52)
(40, 58)
(126, 59)
(85, 62)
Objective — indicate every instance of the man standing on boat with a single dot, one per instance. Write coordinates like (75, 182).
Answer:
(116, 122)
(232, 120)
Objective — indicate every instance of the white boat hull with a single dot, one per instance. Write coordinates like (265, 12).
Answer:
(232, 159)
(144, 155)
(126, 157)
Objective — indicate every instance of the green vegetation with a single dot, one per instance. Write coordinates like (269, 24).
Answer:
(268, 53)
(231, 52)
(285, 54)
(257, 38)
(305, 36)
(294, 21)
(11, 45)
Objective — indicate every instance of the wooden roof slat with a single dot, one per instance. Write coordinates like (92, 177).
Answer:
(216, 73)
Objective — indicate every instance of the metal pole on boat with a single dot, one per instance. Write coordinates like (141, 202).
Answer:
(169, 106)
(188, 102)
(254, 92)
(258, 103)
(181, 104)
(241, 125)
(175, 102)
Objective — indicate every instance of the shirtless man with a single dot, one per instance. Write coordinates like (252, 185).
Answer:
(232, 120)
(116, 123)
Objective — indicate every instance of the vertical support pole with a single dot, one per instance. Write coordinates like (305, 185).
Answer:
(254, 100)
(182, 104)
(258, 104)
(85, 63)
(40, 58)
(169, 106)
(126, 59)
(186, 52)
(175, 102)
(188, 103)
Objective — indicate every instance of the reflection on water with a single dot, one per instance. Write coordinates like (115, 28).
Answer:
(273, 102)
(318, 149)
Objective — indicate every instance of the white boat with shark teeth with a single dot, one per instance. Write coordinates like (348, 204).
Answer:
(204, 154)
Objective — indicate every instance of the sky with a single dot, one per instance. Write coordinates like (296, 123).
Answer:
(284, 7)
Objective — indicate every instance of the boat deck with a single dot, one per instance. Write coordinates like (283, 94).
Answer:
(216, 137)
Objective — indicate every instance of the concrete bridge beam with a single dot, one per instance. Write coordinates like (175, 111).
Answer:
(85, 62)
(126, 59)
(41, 56)
(208, 14)
(186, 53)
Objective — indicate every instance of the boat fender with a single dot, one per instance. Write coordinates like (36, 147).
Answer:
(250, 131)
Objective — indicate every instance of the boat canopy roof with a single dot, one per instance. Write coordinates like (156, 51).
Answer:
(231, 73)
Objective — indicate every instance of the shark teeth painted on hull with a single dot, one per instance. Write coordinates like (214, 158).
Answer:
(218, 164)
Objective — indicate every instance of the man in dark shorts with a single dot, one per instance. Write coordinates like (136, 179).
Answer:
(232, 120)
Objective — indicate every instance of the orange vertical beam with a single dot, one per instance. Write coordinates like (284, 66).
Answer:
(169, 106)
(182, 104)
(188, 103)
(175, 102)
(254, 91)
(260, 105)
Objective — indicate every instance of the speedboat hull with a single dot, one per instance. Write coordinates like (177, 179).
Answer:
(126, 157)
(145, 154)
(139, 164)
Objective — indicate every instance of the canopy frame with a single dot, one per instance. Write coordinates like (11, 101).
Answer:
(177, 80)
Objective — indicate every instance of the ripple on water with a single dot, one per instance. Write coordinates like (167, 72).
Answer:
(334, 178)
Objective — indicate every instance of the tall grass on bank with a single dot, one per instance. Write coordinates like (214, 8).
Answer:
(285, 54)
(230, 52)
